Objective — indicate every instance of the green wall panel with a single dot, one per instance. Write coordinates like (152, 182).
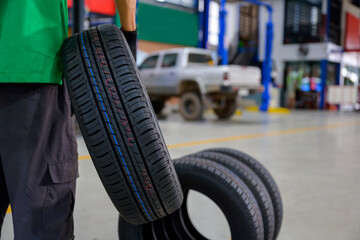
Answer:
(159, 24)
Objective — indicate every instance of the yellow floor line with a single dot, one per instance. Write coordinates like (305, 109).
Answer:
(85, 157)
(247, 136)
(258, 135)
(271, 110)
(250, 136)
(279, 110)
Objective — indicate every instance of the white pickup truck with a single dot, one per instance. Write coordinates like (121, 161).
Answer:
(193, 75)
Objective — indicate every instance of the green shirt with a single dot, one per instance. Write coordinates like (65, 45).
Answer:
(31, 34)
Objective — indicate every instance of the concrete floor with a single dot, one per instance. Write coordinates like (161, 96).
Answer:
(313, 156)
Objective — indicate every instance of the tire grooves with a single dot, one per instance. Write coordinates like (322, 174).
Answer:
(130, 163)
(98, 103)
(111, 109)
(253, 182)
(257, 214)
(103, 120)
(265, 176)
(106, 54)
(142, 186)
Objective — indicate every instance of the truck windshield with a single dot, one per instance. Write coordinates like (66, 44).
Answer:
(200, 59)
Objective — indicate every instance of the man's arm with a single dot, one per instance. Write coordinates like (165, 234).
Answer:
(127, 12)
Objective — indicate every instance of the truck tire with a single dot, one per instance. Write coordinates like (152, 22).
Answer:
(119, 126)
(226, 189)
(227, 110)
(253, 182)
(265, 177)
(158, 105)
(191, 106)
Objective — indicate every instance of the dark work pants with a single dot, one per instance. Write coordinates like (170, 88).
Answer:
(38, 160)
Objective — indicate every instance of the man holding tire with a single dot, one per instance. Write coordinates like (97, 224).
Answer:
(38, 151)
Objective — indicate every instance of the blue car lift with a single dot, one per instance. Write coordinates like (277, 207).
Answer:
(222, 52)
(203, 8)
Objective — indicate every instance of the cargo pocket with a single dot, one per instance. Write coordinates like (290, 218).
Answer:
(60, 196)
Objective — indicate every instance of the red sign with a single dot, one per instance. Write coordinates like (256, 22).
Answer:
(352, 34)
(106, 7)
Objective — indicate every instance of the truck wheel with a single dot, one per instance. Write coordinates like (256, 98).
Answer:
(158, 105)
(118, 125)
(191, 106)
(227, 110)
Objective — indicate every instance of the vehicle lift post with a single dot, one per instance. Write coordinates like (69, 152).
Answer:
(203, 9)
(267, 63)
(222, 52)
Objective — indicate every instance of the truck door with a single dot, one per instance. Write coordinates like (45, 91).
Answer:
(147, 72)
(167, 76)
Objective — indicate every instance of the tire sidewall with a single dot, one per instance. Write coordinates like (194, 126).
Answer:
(254, 183)
(264, 175)
(226, 200)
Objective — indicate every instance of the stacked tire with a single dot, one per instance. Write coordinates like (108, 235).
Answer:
(242, 188)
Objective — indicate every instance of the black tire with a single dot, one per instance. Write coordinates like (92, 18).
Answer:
(158, 105)
(191, 106)
(159, 232)
(134, 231)
(185, 218)
(118, 125)
(227, 110)
(179, 225)
(253, 182)
(265, 177)
(226, 189)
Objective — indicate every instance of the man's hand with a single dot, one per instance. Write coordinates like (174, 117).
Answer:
(131, 38)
